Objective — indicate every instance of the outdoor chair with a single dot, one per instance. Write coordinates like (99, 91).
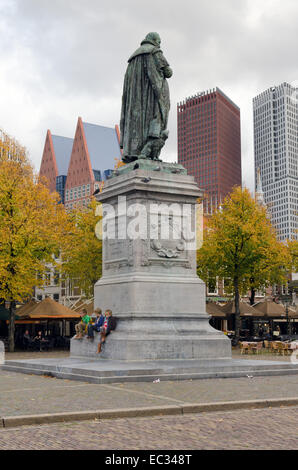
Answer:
(286, 349)
(280, 349)
(59, 342)
(244, 348)
(50, 345)
(274, 347)
(267, 345)
(257, 348)
(294, 345)
(66, 343)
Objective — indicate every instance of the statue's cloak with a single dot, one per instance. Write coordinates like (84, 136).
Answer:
(146, 97)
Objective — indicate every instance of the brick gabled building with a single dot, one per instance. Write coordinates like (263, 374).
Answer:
(94, 154)
(78, 165)
(55, 161)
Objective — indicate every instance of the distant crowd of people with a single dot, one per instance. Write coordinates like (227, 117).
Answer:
(103, 324)
(34, 342)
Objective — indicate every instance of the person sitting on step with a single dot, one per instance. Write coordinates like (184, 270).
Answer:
(100, 318)
(82, 325)
(108, 326)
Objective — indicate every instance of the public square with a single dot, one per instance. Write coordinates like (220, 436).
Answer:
(255, 426)
(237, 430)
(148, 227)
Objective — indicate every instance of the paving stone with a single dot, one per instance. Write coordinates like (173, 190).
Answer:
(261, 429)
(29, 394)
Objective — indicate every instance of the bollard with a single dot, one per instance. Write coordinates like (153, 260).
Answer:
(2, 353)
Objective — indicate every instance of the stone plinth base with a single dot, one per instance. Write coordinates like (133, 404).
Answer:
(178, 345)
(105, 371)
(149, 278)
(159, 318)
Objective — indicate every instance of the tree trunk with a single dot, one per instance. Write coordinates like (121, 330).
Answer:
(252, 296)
(11, 330)
(237, 310)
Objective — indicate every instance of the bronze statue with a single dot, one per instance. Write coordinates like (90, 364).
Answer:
(145, 102)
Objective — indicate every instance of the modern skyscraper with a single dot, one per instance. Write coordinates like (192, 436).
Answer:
(209, 143)
(276, 154)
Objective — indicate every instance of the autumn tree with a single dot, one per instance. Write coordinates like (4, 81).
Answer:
(293, 249)
(10, 148)
(82, 249)
(272, 268)
(240, 244)
(32, 223)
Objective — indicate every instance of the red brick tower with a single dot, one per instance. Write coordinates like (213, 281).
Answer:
(93, 157)
(48, 166)
(55, 161)
(209, 143)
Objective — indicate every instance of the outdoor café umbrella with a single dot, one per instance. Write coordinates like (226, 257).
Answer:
(215, 311)
(26, 308)
(270, 309)
(293, 312)
(4, 314)
(245, 309)
(48, 309)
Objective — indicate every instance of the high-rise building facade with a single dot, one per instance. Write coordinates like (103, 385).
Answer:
(276, 155)
(209, 143)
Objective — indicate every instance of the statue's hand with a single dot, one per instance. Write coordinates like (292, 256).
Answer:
(168, 72)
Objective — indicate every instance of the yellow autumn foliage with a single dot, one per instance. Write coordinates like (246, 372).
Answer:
(240, 244)
(82, 250)
(31, 226)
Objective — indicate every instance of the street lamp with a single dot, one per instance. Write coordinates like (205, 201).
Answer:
(287, 301)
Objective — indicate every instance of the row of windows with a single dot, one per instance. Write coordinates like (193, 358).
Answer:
(81, 203)
(77, 192)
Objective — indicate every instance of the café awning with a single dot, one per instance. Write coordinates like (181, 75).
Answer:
(246, 310)
(4, 313)
(270, 309)
(48, 309)
(26, 308)
(215, 310)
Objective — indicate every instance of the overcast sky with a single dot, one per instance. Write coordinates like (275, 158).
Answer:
(61, 59)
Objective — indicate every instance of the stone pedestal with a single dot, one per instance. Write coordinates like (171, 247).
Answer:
(149, 281)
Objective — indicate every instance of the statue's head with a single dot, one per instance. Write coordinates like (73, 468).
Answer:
(154, 38)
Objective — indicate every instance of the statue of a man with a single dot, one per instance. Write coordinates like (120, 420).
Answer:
(145, 100)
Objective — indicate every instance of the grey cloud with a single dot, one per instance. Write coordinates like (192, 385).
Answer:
(68, 58)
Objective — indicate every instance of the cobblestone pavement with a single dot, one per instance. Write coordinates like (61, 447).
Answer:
(246, 429)
(23, 394)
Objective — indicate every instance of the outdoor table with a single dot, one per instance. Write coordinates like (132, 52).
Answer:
(40, 343)
(248, 345)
